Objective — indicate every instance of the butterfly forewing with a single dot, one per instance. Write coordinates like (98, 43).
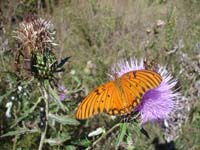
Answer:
(120, 96)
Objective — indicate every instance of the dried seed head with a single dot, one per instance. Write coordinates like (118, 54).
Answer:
(35, 34)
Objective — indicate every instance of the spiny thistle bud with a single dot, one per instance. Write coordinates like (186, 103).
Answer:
(43, 65)
(35, 38)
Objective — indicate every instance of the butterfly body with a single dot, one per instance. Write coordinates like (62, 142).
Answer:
(119, 96)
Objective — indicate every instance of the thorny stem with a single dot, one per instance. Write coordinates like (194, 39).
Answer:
(43, 135)
(104, 135)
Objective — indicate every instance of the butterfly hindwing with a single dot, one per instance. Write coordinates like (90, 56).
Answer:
(137, 83)
(98, 101)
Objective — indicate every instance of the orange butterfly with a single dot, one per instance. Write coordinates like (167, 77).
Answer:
(119, 96)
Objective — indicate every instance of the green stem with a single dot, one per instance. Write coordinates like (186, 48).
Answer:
(43, 135)
(15, 142)
(3, 64)
(104, 135)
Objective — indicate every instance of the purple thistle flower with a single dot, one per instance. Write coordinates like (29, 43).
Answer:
(157, 103)
(62, 96)
(62, 92)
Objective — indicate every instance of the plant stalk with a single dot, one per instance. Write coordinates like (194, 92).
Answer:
(43, 135)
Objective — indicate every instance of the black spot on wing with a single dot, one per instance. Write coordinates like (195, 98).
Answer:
(143, 89)
(111, 100)
(136, 85)
(134, 74)
(100, 100)
(97, 91)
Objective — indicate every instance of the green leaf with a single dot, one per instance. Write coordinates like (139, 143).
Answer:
(70, 147)
(129, 141)
(82, 142)
(6, 95)
(65, 120)
(56, 141)
(20, 131)
(123, 127)
(27, 113)
(56, 98)
(136, 127)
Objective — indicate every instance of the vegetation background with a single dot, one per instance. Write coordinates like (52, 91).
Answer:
(96, 34)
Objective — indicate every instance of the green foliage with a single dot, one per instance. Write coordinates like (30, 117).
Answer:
(96, 34)
(122, 134)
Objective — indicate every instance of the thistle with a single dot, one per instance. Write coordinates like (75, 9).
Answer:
(34, 34)
(35, 38)
(158, 103)
(36, 57)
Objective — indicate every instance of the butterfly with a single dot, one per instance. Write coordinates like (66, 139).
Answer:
(119, 96)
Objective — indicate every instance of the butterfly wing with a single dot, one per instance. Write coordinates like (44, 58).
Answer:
(104, 98)
(136, 83)
(120, 96)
